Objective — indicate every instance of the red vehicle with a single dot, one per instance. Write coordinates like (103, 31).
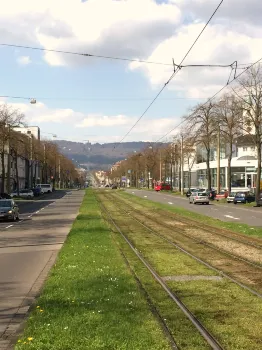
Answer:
(162, 187)
(221, 195)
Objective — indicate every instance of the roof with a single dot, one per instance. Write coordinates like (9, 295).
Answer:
(247, 158)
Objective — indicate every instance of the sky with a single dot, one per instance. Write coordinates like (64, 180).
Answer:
(86, 98)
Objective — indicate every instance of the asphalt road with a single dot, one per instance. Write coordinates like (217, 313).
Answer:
(28, 249)
(224, 212)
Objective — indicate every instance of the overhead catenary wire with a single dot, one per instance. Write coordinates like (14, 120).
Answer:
(172, 76)
(209, 100)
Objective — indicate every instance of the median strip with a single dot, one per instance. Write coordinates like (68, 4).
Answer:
(91, 300)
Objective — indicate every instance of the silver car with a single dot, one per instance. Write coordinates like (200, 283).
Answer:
(199, 197)
(8, 210)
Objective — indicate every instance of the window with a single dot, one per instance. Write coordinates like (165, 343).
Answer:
(252, 148)
(244, 149)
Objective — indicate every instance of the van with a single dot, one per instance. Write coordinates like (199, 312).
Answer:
(45, 188)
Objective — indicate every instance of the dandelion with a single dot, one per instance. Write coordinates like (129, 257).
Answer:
(66, 327)
(19, 341)
(38, 307)
(30, 338)
(41, 310)
(25, 342)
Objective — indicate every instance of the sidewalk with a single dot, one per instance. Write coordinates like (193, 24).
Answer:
(27, 252)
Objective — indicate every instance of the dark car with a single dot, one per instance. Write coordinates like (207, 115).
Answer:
(259, 203)
(211, 194)
(188, 194)
(114, 187)
(5, 196)
(244, 197)
(8, 210)
(36, 191)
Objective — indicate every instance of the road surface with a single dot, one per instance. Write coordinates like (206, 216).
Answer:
(28, 249)
(224, 212)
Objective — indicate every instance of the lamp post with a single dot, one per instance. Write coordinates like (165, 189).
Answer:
(218, 160)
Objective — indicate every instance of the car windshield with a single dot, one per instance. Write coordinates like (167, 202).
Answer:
(232, 194)
(5, 204)
(239, 194)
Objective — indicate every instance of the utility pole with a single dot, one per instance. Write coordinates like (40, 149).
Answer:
(31, 160)
(182, 166)
(59, 173)
(8, 175)
(44, 165)
(218, 160)
(160, 166)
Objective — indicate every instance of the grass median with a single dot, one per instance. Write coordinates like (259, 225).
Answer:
(91, 300)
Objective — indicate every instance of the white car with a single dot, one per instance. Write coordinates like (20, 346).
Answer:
(199, 197)
(231, 196)
(23, 194)
(45, 188)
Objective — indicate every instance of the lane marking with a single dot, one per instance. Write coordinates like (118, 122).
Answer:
(37, 212)
(145, 196)
(9, 226)
(231, 217)
(170, 203)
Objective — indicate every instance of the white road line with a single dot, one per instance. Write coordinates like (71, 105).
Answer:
(231, 217)
(37, 212)
(9, 226)
(29, 216)
(170, 203)
(145, 196)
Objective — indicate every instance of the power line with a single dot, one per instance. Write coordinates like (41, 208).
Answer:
(210, 99)
(101, 98)
(85, 54)
(172, 76)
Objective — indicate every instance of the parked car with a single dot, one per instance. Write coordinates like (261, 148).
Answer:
(244, 197)
(162, 187)
(9, 210)
(231, 197)
(190, 190)
(199, 197)
(23, 194)
(5, 196)
(36, 191)
(259, 203)
(45, 188)
(221, 195)
(211, 194)
(114, 187)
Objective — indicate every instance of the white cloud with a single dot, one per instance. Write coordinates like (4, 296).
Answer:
(24, 60)
(106, 27)
(218, 45)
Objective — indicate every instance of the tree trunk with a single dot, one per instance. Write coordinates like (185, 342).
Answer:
(208, 170)
(229, 169)
(258, 169)
(3, 172)
(17, 175)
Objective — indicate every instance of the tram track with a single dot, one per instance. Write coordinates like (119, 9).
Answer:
(250, 268)
(210, 339)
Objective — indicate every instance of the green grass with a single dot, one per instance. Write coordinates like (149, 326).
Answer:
(91, 300)
(229, 312)
(236, 227)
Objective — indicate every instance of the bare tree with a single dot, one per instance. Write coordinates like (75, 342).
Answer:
(9, 118)
(251, 96)
(229, 114)
(202, 123)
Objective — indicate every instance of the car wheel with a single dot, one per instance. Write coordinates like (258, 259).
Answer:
(13, 218)
(235, 202)
(17, 217)
(207, 203)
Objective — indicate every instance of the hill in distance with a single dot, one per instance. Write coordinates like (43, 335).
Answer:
(99, 156)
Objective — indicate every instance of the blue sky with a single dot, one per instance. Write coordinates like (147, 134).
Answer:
(149, 30)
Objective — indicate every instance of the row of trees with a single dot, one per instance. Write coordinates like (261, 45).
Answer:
(233, 115)
(41, 159)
